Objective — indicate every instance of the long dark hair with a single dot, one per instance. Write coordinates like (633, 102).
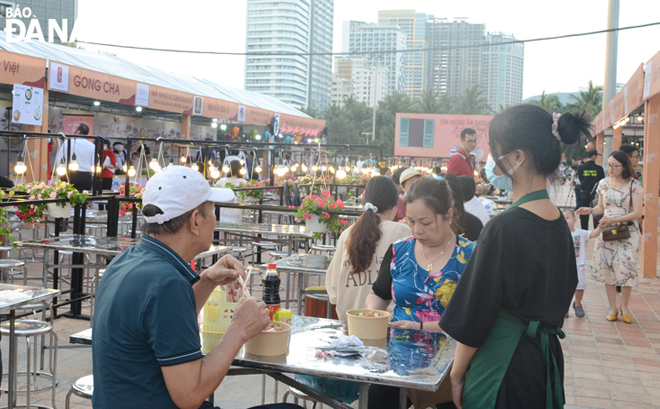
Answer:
(457, 196)
(365, 233)
(623, 158)
(530, 128)
(435, 194)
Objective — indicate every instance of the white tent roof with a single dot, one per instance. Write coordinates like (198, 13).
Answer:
(113, 65)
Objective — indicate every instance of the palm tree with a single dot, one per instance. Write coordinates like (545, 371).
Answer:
(473, 102)
(391, 105)
(590, 100)
(446, 102)
(548, 102)
(428, 103)
(312, 112)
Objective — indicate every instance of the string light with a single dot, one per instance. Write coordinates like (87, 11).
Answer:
(61, 169)
(73, 165)
(194, 167)
(183, 159)
(131, 171)
(20, 167)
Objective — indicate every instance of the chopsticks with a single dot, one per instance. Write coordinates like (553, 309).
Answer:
(246, 293)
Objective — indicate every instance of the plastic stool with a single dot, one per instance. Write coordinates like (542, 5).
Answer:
(82, 387)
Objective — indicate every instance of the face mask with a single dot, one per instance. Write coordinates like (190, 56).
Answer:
(502, 182)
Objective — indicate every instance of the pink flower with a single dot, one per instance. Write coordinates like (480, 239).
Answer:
(428, 315)
(307, 216)
(32, 197)
(326, 215)
(333, 206)
(69, 194)
(292, 207)
(325, 193)
(53, 195)
(31, 211)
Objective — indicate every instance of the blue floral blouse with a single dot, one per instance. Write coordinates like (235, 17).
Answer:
(418, 295)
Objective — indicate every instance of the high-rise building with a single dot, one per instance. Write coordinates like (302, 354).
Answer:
(290, 26)
(502, 71)
(455, 67)
(341, 89)
(371, 38)
(414, 26)
(59, 11)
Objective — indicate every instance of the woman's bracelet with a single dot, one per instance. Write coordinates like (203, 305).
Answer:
(421, 326)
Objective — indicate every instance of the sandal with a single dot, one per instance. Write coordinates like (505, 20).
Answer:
(612, 317)
(627, 318)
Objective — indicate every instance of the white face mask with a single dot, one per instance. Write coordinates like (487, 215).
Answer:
(504, 181)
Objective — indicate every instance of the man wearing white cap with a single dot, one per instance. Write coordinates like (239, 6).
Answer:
(146, 345)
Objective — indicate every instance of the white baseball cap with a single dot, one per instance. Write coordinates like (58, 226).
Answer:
(179, 189)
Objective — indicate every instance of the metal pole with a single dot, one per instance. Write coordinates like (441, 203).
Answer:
(609, 88)
(373, 130)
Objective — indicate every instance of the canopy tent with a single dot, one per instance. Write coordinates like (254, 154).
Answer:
(113, 65)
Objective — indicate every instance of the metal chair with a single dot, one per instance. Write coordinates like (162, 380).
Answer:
(323, 249)
(31, 329)
(8, 269)
(82, 387)
(302, 396)
(257, 246)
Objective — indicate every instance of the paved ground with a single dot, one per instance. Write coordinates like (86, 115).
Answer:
(608, 365)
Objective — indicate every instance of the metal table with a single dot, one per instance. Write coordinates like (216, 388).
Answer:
(102, 247)
(38, 295)
(301, 264)
(422, 363)
(291, 232)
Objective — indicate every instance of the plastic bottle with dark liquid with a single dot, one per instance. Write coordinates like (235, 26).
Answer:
(271, 282)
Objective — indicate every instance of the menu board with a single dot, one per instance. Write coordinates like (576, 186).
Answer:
(28, 105)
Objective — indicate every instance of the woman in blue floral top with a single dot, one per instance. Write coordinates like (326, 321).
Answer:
(420, 273)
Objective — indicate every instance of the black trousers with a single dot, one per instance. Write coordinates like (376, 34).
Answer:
(80, 180)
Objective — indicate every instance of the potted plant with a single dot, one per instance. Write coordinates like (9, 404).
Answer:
(314, 212)
(251, 196)
(29, 213)
(135, 191)
(63, 190)
(5, 224)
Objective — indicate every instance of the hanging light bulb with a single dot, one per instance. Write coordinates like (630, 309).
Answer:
(324, 168)
(257, 137)
(154, 165)
(124, 168)
(258, 169)
(194, 167)
(315, 168)
(61, 169)
(183, 159)
(225, 168)
(131, 171)
(215, 173)
(243, 171)
(242, 161)
(304, 167)
(169, 165)
(285, 168)
(20, 167)
(73, 165)
(99, 169)
(640, 118)
(331, 169)
(341, 173)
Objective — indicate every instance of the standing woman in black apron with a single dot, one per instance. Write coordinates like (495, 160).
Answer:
(509, 306)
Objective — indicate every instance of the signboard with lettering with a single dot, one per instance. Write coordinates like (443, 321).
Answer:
(142, 95)
(652, 77)
(28, 105)
(98, 85)
(58, 79)
(170, 100)
(438, 135)
(22, 69)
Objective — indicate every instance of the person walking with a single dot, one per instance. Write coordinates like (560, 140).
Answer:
(361, 248)
(508, 308)
(84, 153)
(109, 165)
(461, 163)
(589, 174)
(616, 262)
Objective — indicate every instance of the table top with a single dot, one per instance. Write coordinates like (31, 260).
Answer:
(419, 363)
(262, 228)
(101, 245)
(306, 263)
(33, 295)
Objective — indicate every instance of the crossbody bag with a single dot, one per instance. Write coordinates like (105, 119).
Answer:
(619, 231)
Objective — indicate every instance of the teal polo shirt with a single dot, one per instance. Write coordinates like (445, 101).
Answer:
(144, 318)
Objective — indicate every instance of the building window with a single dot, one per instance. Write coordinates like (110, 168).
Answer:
(416, 133)
(404, 125)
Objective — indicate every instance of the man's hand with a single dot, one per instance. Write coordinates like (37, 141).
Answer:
(583, 211)
(457, 385)
(250, 317)
(225, 271)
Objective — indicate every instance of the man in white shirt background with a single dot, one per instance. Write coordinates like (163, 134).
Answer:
(84, 153)
(471, 203)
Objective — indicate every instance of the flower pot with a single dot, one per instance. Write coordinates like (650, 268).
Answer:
(315, 225)
(251, 200)
(342, 190)
(54, 210)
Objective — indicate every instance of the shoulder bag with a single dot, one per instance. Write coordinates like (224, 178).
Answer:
(618, 231)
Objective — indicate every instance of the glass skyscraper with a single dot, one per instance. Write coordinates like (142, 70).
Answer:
(43, 10)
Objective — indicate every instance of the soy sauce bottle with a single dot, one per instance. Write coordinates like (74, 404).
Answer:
(271, 282)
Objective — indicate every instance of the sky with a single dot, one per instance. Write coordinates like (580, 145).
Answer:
(219, 25)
